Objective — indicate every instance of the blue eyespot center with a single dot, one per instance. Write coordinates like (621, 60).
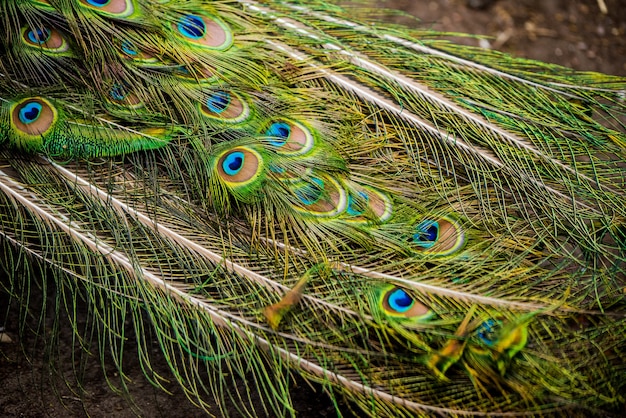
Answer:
(487, 331)
(118, 92)
(192, 26)
(30, 112)
(399, 300)
(427, 233)
(129, 48)
(280, 131)
(218, 102)
(311, 192)
(98, 3)
(39, 36)
(233, 163)
(357, 207)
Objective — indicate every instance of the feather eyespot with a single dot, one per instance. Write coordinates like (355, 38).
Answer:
(130, 51)
(203, 31)
(111, 8)
(318, 196)
(129, 48)
(233, 163)
(218, 102)
(290, 138)
(280, 132)
(486, 332)
(397, 302)
(427, 233)
(121, 95)
(38, 36)
(191, 26)
(366, 204)
(33, 116)
(310, 192)
(44, 38)
(225, 106)
(239, 166)
(30, 112)
(357, 205)
(439, 236)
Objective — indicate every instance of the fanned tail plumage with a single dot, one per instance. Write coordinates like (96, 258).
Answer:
(422, 228)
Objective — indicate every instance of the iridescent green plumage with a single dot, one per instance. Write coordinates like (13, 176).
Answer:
(420, 227)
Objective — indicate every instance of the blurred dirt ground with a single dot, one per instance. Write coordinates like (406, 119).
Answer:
(576, 34)
(573, 33)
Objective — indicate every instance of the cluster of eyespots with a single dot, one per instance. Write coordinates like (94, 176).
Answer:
(438, 236)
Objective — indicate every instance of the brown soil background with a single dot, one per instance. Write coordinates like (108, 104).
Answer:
(571, 33)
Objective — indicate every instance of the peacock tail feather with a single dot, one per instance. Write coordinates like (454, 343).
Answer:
(286, 187)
